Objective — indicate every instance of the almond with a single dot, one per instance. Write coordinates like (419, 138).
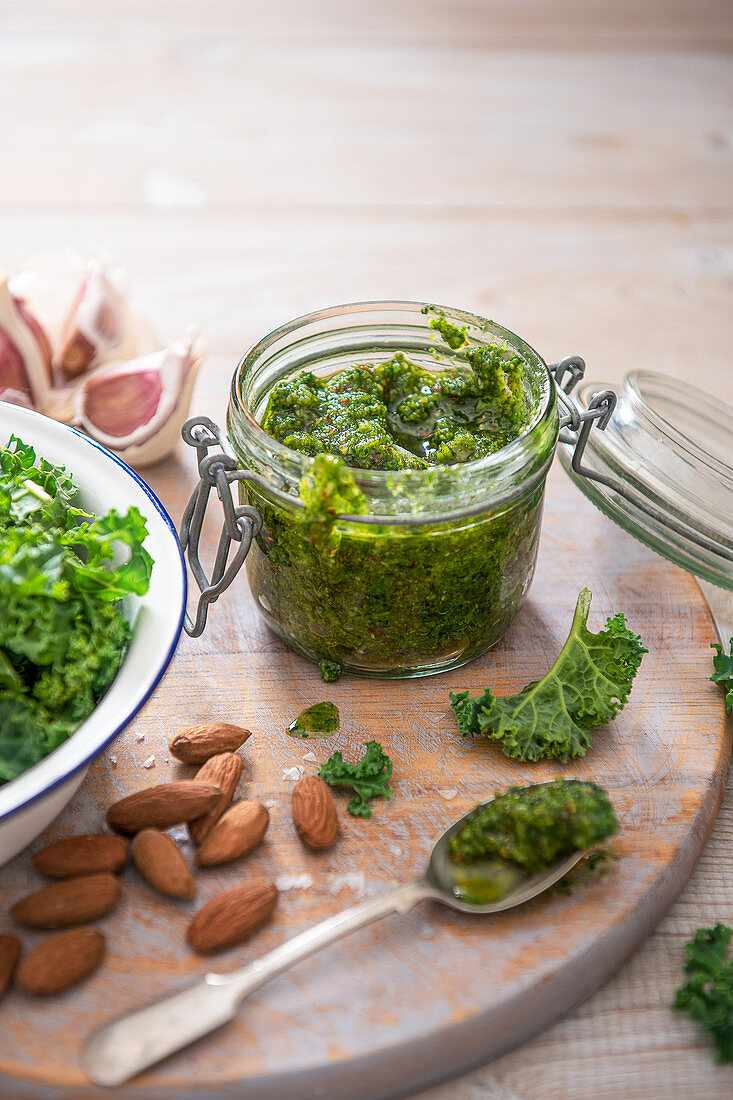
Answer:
(236, 833)
(61, 961)
(162, 806)
(73, 901)
(9, 955)
(160, 862)
(82, 855)
(223, 771)
(231, 917)
(197, 744)
(314, 813)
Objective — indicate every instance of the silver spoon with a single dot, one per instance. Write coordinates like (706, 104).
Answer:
(131, 1043)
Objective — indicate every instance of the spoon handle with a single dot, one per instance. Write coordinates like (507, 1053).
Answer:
(131, 1043)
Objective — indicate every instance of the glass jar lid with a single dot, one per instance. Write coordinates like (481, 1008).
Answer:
(663, 470)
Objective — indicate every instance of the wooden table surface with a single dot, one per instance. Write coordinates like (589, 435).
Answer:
(563, 167)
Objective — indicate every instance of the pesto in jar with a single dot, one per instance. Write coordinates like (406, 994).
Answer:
(397, 600)
(399, 415)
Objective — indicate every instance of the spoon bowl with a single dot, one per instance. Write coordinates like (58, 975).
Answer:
(441, 875)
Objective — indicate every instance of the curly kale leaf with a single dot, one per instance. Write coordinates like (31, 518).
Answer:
(368, 779)
(708, 995)
(723, 675)
(550, 718)
(62, 628)
(32, 490)
(330, 670)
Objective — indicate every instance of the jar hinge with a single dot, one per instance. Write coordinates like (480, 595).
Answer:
(242, 523)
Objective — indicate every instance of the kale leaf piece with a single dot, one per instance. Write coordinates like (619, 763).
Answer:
(62, 628)
(550, 718)
(708, 994)
(368, 779)
(330, 671)
(533, 826)
(723, 675)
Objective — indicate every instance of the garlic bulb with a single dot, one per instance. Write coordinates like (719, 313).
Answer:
(25, 354)
(83, 305)
(136, 408)
(72, 347)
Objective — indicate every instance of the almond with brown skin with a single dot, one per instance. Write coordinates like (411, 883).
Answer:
(231, 917)
(314, 813)
(73, 901)
(162, 806)
(60, 962)
(9, 955)
(160, 862)
(197, 744)
(82, 855)
(224, 772)
(235, 834)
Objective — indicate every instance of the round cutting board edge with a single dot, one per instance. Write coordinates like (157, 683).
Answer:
(397, 1068)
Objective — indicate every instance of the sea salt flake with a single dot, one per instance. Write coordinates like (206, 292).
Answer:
(179, 833)
(448, 794)
(352, 880)
(395, 849)
(292, 775)
(149, 763)
(139, 737)
(293, 882)
(311, 758)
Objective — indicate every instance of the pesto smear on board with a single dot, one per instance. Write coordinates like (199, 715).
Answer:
(320, 720)
(383, 599)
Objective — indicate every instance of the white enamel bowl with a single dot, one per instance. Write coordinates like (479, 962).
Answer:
(30, 802)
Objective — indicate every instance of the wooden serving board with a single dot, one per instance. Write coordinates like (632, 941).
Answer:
(415, 999)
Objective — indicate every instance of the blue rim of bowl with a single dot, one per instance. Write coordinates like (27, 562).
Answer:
(171, 650)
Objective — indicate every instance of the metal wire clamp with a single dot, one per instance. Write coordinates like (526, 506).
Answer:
(241, 522)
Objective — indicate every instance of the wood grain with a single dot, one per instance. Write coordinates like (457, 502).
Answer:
(562, 167)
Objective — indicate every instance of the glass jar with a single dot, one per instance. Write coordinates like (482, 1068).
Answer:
(437, 569)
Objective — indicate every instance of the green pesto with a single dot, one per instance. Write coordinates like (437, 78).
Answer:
(486, 882)
(385, 599)
(398, 415)
(320, 720)
(330, 670)
(597, 865)
(454, 336)
(534, 826)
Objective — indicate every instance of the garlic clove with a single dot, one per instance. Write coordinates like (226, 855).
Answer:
(137, 408)
(38, 335)
(25, 360)
(93, 327)
(13, 375)
(83, 305)
(16, 397)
